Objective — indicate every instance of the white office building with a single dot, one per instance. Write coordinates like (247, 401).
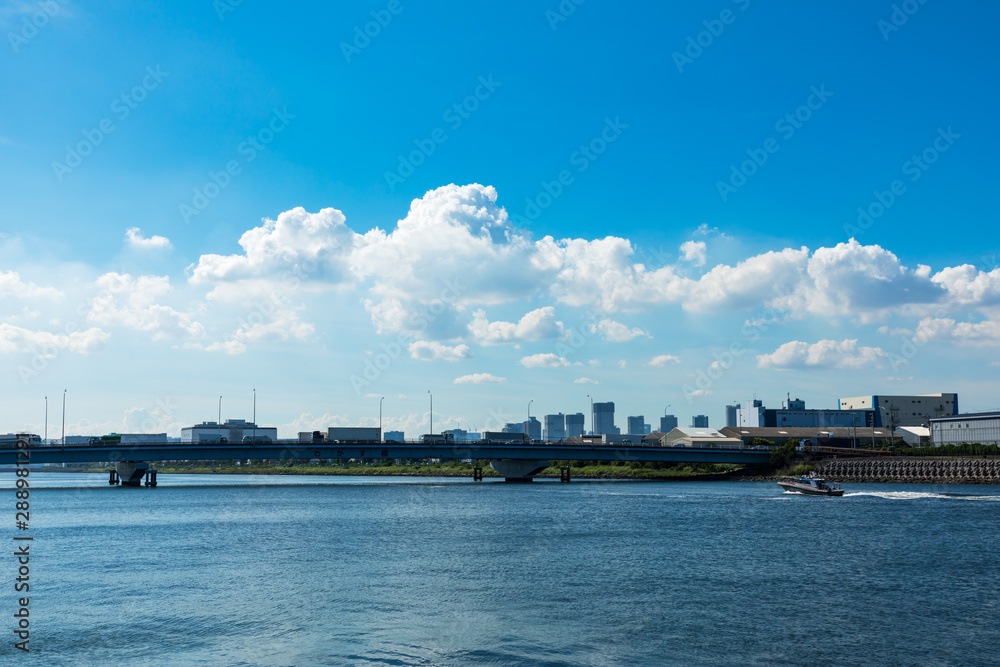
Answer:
(891, 411)
(233, 430)
(982, 428)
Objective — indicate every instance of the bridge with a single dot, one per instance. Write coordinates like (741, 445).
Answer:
(515, 461)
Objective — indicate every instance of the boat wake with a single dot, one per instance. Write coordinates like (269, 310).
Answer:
(917, 495)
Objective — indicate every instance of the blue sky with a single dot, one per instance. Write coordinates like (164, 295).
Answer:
(646, 203)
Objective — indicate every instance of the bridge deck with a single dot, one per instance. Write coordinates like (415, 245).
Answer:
(367, 450)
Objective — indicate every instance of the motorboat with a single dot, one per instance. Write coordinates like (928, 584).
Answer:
(810, 485)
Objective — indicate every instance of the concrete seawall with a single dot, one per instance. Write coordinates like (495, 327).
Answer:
(914, 470)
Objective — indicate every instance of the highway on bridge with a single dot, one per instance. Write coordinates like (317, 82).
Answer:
(293, 449)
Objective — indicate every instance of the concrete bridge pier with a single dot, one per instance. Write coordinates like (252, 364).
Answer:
(518, 470)
(131, 472)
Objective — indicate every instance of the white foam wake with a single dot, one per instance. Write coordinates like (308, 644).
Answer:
(917, 495)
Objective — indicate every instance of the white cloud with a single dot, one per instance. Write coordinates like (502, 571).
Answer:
(584, 381)
(973, 334)
(480, 378)
(296, 248)
(694, 252)
(230, 347)
(135, 239)
(616, 332)
(544, 360)
(661, 360)
(283, 324)
(12, 285)
(539, 324)
(434, 351)
(47, 344)
(622, 363)
(844, 354)
(131, 302)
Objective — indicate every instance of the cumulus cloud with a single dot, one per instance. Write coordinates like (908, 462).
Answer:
(456, 252)
(694, 252)
(283, 324)
(480, 378)
(434, 351)
(584, 381)
(131, 302)
(544, 360)
(12, 285)
(47, 344)
(540, 324)
(967, 334)
(616, 332)
(843, 354)
(661, 360)
(135, 239)
(298, 247)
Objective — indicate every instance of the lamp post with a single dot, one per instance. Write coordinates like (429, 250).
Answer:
(432, 410)
(255, 414)
(219, 423)
(527, 424)
(884, 414)
(45, 441)
(64, 419)
(380, 419)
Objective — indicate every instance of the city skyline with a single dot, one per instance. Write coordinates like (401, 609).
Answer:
(335, 220)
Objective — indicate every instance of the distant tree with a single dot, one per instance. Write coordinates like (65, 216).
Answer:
(782, 455)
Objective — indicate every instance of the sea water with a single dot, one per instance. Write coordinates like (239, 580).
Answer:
(303, 570)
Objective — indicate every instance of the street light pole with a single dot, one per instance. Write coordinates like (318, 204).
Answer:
(64, 419)
(527, 424)
(219, 423)
(255, 414)
(432, 410)
(381, 438)
(45, 441)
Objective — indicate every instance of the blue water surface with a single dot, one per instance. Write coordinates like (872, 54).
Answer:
(276, 570)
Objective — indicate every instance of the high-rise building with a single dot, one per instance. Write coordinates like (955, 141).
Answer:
(699, 421)
(513, 428)
(395, 436)
(604, 419)
(731, 419)
(555, 427)
(637, 425)
(575, 425)
(668, 423)
(533, 428)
